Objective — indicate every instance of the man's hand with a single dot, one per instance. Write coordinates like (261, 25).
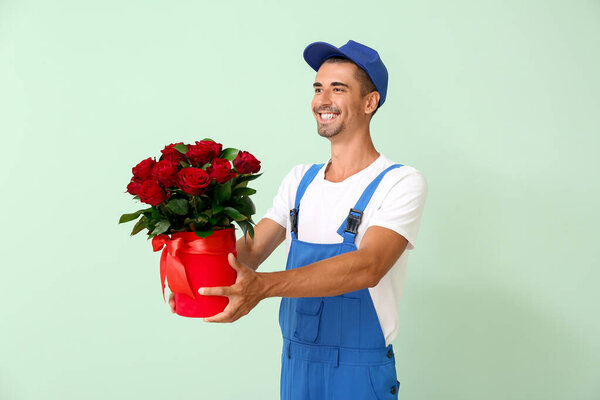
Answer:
(247, 291)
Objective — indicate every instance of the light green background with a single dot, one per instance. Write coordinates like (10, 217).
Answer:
(496, 102)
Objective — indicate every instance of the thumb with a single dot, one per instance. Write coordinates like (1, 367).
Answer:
(235, 264)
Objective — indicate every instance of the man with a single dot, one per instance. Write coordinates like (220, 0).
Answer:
(345, 269)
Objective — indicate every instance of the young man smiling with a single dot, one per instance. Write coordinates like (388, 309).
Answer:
(347, 224)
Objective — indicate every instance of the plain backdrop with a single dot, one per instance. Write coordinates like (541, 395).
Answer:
(496, 102)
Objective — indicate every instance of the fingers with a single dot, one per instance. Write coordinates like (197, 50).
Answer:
(223, 316)
(231, 313)
(172, 302)
(216, 291)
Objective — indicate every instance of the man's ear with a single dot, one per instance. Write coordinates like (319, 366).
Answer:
(372, 102)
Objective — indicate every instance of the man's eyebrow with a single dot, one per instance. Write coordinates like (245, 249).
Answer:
(339, 84)
(318, 84)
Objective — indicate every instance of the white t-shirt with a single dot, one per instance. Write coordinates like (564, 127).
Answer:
(397, 204)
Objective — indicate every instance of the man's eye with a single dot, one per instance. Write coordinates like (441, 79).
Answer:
(318, 90)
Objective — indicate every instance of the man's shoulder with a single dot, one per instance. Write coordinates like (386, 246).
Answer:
(405, 173)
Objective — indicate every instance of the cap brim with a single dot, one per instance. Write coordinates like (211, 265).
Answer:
(317, 52)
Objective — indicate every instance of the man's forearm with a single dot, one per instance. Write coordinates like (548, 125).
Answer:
(329, 277)
(268, 234)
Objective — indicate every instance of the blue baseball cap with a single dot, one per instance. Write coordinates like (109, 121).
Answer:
(363, 56)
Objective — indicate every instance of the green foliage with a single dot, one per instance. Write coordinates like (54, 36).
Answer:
(182, 148)
(141, 224)
(247, 178)
(132, 216)
(243, 191)
(204, 234)
(222, 192)
(235, 214)
(178, 206)
(229, 154)
(161, 227)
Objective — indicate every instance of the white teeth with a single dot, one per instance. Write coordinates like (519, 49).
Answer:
(328, 116)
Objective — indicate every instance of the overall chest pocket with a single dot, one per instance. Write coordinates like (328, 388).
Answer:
(308, 318)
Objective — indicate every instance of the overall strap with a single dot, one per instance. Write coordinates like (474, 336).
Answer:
(349, 227)
(306, 180)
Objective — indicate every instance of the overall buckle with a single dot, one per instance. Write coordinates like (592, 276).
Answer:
(294, 220)
(353, 221)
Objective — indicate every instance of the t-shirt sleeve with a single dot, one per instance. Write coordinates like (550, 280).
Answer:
(402, 207)
(280, 210)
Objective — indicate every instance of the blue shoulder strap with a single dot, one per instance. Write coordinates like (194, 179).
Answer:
(308, 177)
(306, 180)
(349, 227)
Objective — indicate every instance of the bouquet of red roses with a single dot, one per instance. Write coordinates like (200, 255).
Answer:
(194, 188)
(195, 193)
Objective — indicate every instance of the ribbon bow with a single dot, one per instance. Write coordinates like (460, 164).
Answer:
(171, 266)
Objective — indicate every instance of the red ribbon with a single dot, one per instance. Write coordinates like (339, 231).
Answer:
(171, 265)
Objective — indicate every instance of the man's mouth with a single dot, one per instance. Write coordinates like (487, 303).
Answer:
(326, 117)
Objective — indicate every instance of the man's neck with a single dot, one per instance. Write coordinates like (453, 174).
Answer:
(349, 156)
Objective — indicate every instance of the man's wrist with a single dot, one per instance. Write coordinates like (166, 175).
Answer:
(268, 284)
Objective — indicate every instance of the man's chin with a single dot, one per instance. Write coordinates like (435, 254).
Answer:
(328, 132)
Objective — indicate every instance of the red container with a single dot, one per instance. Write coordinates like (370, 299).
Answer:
(206, 265)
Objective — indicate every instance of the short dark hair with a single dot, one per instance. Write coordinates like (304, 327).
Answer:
(366, 84)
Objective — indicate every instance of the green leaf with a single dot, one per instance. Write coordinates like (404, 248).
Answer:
(243, 191)
(161, 226)
(233, 213)
(209, 139)
(141, 224)
(229, 153)
(182, 148)
(246, 228)
(202, 218)
(178, 206)
(224, 221)
(223, 192)
(184, 164)
(217, 209)
(132, 216)
(250, 229)
(204, 234)
(199, 203)
(240, 185)
(246, 206)
(243, 227)
(245, 178)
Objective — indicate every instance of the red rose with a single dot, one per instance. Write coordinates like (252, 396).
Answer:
(199, 154)
(215, 148)
(166, 172)
(143, 170)
(152, 193)
(246, 163)
(172, 154)
(134, 187)
(193, 180)
(220, 170)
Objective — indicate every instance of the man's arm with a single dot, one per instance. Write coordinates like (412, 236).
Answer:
(268, 234)
(379, 249)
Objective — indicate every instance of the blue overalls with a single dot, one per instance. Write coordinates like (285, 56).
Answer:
(333, 347)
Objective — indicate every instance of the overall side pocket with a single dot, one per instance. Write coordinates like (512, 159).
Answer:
(308, 318)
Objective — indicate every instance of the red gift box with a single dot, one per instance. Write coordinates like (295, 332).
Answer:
(189, 262)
